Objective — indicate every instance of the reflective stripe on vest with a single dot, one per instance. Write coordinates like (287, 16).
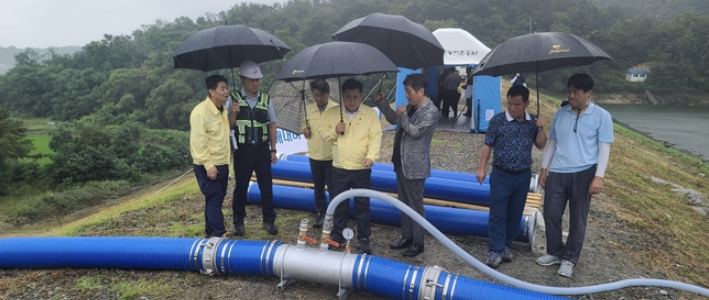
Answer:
(252, 123)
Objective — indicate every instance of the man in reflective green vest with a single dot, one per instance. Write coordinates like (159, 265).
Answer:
(255, 138)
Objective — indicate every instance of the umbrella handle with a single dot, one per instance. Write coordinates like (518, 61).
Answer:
(536, 78)
(305, 110)
(381, 82)
(339, 85)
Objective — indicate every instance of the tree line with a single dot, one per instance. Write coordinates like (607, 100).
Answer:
(130, 79)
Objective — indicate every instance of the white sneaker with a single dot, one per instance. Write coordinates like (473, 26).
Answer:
(548, 260)
(566, 268)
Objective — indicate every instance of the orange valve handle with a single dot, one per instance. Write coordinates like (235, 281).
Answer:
(310, 240)
(332, 243)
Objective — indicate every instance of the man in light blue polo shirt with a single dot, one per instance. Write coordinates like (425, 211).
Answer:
(578, 150)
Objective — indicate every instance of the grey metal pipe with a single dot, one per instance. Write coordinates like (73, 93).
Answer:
(332, 267)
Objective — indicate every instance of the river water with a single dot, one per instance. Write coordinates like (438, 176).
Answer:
(684, 127)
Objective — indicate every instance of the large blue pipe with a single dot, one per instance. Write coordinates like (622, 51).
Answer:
(136, 253)
(435, 187)
(221, 256)
(446, 219)
(467, 177)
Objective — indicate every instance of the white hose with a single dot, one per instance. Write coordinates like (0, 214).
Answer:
(582, 290)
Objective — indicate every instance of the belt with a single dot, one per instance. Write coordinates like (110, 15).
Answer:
(506, 170)
(252, 145)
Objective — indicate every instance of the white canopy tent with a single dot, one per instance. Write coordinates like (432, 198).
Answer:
(461, 47)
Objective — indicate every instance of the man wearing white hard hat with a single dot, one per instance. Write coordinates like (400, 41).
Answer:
(255, 137)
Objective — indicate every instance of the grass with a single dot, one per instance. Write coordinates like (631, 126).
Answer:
(679, 235)
(126, 289)
(54, 204)
(41, 147)
(183, 189)
(437, 142)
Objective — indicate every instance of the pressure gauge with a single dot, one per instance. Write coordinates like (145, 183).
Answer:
(347, 233)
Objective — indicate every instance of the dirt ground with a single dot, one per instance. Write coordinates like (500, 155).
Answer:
(607, 256)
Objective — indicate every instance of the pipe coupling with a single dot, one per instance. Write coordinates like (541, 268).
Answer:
(209, 256)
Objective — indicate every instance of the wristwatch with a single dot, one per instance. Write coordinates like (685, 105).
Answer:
(273, 150)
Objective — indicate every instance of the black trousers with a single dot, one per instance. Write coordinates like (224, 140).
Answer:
(452, 98)
(214, 192)
(322, 175)
(249, 159)
(343, 180)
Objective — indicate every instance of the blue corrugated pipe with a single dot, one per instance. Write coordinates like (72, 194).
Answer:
(254, 257)
(446, 219)
(221, 256)
(467, 177)
(435, 188)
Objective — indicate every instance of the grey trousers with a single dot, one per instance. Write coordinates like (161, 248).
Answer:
(560, 189)
(411, 193)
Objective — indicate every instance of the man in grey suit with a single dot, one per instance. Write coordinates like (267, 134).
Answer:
(412, 163)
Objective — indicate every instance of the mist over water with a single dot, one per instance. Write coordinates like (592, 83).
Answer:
(685, 127)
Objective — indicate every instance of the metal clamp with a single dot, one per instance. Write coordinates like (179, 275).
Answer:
(430, 284)
(209, 255)
(285, 282)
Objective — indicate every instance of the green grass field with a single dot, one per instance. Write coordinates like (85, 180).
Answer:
(41, 146)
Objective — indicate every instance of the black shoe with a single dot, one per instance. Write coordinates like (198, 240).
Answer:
(341, 244)
(403, 243)
(413, 250)
(319, 220)
(239, 228)
(364, 246)
(270, 228)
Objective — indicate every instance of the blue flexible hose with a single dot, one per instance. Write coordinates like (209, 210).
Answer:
(466, 177)
(378, 275)
(435, 187)
(446, 219)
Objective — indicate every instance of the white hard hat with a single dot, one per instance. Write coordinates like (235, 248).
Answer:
(250, 69)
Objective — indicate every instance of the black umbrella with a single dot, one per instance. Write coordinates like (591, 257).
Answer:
(336, 59)
(407, 44)
(289, 101)
(227, 46)
(539, 52)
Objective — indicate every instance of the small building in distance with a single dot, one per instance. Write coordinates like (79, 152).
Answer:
(638, 73)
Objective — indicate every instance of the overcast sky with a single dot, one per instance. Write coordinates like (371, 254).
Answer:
(56, 23)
